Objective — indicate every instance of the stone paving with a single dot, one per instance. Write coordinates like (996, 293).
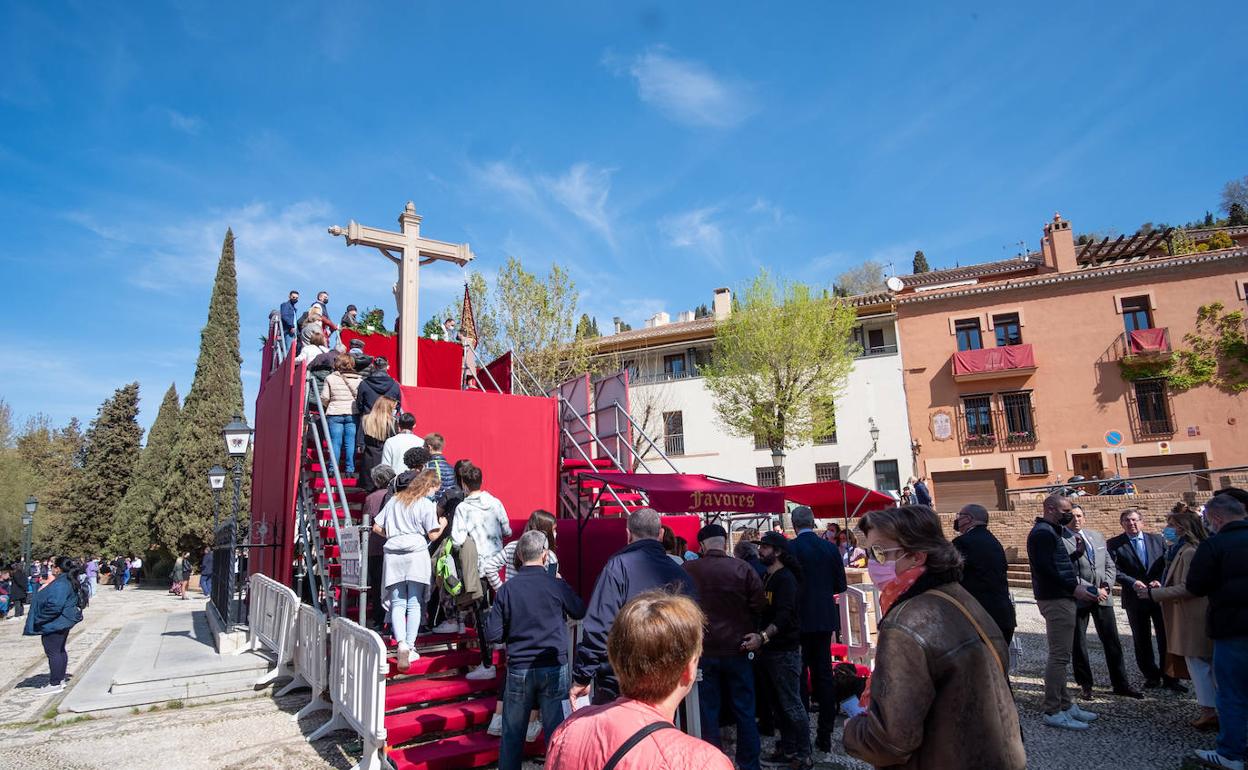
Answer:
(258, 732)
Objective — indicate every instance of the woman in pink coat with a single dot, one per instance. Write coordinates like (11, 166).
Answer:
(654, 647)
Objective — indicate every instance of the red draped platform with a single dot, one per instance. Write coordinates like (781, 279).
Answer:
(695, 493)
(441, 363)
(275, 468)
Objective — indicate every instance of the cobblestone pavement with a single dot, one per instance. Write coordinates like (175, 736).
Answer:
(258, 732)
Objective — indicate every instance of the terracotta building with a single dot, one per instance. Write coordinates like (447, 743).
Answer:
(1022, 372)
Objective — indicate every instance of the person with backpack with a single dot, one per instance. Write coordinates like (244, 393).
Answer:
(56, 608)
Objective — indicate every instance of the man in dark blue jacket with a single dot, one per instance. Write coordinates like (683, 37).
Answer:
(1220, 571)
(530, 615)
(289, 316)
(823, 577)
(640, 566)
(1056, 588)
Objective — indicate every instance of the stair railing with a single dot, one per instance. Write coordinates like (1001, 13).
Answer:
(637, 427)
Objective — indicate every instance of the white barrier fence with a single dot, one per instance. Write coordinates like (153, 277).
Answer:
(311, 662)
(860, 612)
(357, 690)
(272, 619)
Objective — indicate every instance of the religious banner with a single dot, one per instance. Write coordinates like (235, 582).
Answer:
(467, 321)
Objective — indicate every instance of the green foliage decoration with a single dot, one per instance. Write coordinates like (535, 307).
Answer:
(1216, 354)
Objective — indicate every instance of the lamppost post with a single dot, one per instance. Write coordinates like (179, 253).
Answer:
(237, 435)
(28, 528)
(777, 462)
(216, 481)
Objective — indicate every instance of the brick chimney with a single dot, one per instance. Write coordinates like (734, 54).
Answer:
(1058, 245)
(721, 307)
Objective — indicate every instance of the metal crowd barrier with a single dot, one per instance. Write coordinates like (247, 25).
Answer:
(272, 616)
(311, 662)
(860, 612)
(357, 690)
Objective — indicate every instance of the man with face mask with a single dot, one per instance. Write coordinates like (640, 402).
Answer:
(984, 567)
(1056, 587)
(289, 315)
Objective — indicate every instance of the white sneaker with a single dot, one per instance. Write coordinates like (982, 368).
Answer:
(1064, 720)
(1080, 714)
(496, 725)
(483, 672)
(448, 626)
(535, 729)
(52, 689)
(1212, 758)
(405, 657)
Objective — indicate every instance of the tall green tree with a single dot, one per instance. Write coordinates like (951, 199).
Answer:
(16, 484)
(1237, 214)
(53, 457)
(133, 528)
(920, 263)
(586, 328)
(780, 361)
(184, 516)
(111, 452)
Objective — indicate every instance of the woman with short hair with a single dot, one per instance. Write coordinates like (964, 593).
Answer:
(939, 696)
(654, 646)
(1186, 633)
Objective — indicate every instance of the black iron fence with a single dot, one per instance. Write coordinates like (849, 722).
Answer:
(229, 577)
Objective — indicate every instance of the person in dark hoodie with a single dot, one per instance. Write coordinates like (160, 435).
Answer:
(54, 610)
(640, 566)
(378, 383)
(19, 590)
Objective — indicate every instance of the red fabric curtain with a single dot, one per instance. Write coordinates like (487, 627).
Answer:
(1148, 340)
(500, 372)
(993, 359)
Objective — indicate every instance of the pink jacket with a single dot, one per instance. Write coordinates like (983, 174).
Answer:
(590, 736)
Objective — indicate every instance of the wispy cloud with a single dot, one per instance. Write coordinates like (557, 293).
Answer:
(187, 124)
(770, 210)
(582, 191)
(686, 91)
(696, 230)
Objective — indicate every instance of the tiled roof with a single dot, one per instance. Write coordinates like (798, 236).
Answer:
(1088, 272)
(682, 329)
(949, 275)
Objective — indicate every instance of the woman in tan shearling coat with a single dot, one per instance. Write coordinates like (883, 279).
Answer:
(1184, 614)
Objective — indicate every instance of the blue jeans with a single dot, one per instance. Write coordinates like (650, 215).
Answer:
(784, 671)
(734, 675)
(205, 582)
(406, 599)
(342, 440)
(1230, 671)
(544, 688)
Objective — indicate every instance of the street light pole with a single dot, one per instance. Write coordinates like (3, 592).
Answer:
(216, 481)
(28, 529)
(777, 462)
(237, 437)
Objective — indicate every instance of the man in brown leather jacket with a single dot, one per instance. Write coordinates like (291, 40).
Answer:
(730, 593)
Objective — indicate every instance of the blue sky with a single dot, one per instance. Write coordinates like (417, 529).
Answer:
(657, 151)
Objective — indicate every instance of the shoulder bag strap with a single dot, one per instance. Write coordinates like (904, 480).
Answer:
(978, 628)
(636, 738)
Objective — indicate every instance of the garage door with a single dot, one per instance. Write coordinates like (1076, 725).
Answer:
(958, 488)
(1169, 464)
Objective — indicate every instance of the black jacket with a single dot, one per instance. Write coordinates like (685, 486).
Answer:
(783, 592)
(1052, 574)
(823, 577)
(983, 575)
(1220, 571)
(1130, 569)
(638, 567)
(529, 615)
(372, 387)
(17, 589)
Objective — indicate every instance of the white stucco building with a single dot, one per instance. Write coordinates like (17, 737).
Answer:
(670, 399)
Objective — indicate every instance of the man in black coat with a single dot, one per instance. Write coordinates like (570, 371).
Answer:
(823, 577)
(378, 383)
(639, 566)
(1140, 559)
(984, 567)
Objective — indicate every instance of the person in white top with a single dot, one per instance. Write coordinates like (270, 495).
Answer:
(482, 517)
(312, 348)
(398, 444)
(408, 521)
(136, 570)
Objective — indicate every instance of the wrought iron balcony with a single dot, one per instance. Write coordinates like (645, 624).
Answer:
(674, 445)
(993, 363)
(1143, 345)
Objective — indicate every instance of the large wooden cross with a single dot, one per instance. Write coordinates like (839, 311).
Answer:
(409, 251)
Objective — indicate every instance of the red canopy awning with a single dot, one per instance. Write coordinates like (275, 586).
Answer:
(837, 499)
(695, 493)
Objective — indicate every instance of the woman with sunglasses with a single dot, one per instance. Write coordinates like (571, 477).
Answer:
(938, 696)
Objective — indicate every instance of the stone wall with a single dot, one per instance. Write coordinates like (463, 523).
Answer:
(1100, 513)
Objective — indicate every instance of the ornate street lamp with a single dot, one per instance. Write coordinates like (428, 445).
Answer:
(216, 482)
(237, 435)
(28, 528)
(875, 434)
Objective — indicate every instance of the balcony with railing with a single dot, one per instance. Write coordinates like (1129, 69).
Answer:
(651, 378)
(874, 351)
(1012, 429)
(1143, 345)
(674, 445)
(993, 363)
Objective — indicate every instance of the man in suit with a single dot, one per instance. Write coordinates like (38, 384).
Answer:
(823, 577)
(1140, 559)
(984, 567)
(1095, 569)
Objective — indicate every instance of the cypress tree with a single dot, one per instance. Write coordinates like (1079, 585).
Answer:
(133, 529)
(920, 263)
(109, 459)
(184, 516)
